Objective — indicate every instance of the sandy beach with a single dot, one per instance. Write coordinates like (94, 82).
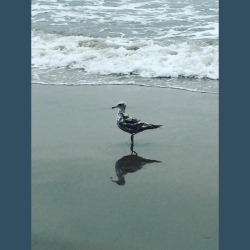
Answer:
(76, 147)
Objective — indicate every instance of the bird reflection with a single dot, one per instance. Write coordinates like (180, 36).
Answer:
(129, 164)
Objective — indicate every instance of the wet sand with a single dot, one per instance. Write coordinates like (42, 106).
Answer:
(170, 203)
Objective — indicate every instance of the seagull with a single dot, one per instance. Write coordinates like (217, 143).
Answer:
(130, 124)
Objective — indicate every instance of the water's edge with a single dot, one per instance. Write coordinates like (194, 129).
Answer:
(116, 84)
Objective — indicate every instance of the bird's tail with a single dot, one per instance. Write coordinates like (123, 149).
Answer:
(155, 126)
(151, 126)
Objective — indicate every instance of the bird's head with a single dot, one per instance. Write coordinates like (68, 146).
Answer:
(121, 105)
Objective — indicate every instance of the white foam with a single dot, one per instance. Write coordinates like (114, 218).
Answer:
(125, 56)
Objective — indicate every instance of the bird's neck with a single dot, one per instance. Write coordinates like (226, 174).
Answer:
(121, 111)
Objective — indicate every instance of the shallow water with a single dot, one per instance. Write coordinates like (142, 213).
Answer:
(78, 152)
(78, 77)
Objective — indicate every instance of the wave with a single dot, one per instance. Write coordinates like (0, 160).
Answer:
(124, 56)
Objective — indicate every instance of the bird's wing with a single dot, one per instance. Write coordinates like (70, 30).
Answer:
(133, 125)
(129, 119)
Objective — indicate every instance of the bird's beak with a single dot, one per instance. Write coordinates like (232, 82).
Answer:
(114, 107)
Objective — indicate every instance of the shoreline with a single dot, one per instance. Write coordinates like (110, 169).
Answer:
(137, 85)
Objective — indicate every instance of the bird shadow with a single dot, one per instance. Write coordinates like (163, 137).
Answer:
(129, 164)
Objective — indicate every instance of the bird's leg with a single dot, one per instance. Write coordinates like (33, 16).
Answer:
(132, 143)
(132, 139)
(132, 148)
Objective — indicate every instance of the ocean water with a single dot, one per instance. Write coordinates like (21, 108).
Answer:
(157, 43)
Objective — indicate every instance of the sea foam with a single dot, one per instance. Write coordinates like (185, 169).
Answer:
(124, 56)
